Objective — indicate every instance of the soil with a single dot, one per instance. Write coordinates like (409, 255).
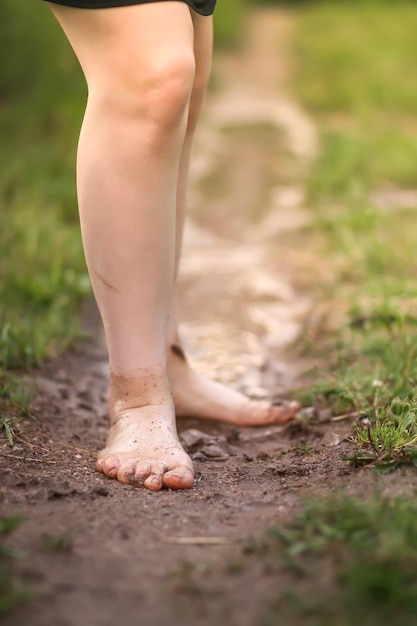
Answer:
(98, 552)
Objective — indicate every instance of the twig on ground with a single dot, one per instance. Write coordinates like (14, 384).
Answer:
(345, 416)
(199, 540)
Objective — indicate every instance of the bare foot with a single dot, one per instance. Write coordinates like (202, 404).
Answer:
(199, 397)
(142, 447)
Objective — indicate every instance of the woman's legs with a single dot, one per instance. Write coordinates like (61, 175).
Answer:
(144, 65)
(139, 65)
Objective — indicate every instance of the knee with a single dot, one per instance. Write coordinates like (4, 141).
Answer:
(168, 90)
(157, 93)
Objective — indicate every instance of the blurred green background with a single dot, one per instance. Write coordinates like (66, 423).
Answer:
(346, 53)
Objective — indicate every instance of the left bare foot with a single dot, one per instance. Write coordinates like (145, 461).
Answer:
(142, 446)
(199, 397)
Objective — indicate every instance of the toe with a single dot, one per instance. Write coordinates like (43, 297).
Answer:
(182, 477)
(284, 412)
(110, 466)
(142, 472)
(126, 472)
(155, 478)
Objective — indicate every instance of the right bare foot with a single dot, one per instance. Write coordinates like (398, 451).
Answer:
(199, 397)
(142, 447)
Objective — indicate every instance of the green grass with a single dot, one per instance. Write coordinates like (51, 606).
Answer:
(355, 82)
(229, 23)
(346, 562)
(42, 273)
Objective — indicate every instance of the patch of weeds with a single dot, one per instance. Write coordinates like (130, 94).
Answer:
(347, 561)
(373, 374)
(16, 395)
(17, 392)
(12, 589)
(9, 425)
(301, 450)
(391, 439)
(340, 393)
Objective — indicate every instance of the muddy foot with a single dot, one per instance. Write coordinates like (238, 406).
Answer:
(199, 397)
(143, 448)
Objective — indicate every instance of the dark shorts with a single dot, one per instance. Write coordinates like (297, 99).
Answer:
(204, 7)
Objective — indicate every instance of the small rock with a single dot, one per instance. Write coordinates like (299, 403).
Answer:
(192, 437)
(202, 446)
(307, 415)
(332, 439)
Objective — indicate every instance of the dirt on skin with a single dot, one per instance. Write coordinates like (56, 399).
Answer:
(98, 552)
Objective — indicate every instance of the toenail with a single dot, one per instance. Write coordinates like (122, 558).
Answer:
(287, 407)
(281, 403)
(177, 476)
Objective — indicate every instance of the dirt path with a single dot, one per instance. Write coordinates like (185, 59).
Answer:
(101, 552)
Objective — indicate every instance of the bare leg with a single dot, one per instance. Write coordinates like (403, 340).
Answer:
(195, 395)
(139, 65)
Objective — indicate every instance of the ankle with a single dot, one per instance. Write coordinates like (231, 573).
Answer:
(139, 390)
